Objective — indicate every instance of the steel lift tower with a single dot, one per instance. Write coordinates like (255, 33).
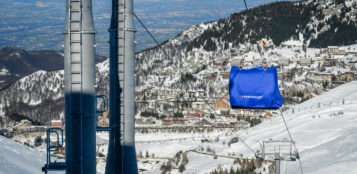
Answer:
(121, 157)
(81, 101)
(79, 68)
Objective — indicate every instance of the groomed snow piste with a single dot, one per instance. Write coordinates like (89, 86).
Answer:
(16, 158)
(324, 129)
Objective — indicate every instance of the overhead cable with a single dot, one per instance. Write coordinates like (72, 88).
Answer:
(287, 128)
(245, 3)
(143, 25)
(153, 38)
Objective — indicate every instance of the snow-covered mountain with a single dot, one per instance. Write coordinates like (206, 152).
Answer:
(39, 97)
(197, 50)
(307, 23)
(18, 63)
(323, 129)
(201, 55)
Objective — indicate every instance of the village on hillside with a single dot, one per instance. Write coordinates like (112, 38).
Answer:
(162, 108)
(297, 67)
(322, 69)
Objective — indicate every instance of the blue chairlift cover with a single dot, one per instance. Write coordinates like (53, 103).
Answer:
(254, 88)
(39, 143)
(4, 130)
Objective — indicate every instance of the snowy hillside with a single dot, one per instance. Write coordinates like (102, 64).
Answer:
(209, 49)
(16, 158)
(323, 129)
(201, 57)
(39, 97)
(17, 63)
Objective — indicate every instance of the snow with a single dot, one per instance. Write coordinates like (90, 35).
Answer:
(16, 54)
(34, 103)
(16, 158)
(4, 71)
(198, 160)
(292, 42)
(316, 129)
(325, 139)
(2, 113)
(323, 129)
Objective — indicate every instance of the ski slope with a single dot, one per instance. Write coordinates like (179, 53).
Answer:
(324, 129)
(16, 158)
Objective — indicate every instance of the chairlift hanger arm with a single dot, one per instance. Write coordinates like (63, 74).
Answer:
(245, 3)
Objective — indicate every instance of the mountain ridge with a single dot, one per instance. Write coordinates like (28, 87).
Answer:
(156, 71)
(17, 63)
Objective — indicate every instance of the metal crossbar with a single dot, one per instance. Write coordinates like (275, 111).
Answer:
(53, 166)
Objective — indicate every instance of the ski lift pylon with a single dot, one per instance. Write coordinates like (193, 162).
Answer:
(254, 88)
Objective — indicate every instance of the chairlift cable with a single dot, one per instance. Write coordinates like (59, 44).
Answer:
(146, 29)
(157, 43)
(287, 128)
(143, 25)
(245, 3)
(255, 154)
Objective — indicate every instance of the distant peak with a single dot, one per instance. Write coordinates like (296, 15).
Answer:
(7, 49)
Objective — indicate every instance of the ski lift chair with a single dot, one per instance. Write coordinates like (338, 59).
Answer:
(255, 88)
